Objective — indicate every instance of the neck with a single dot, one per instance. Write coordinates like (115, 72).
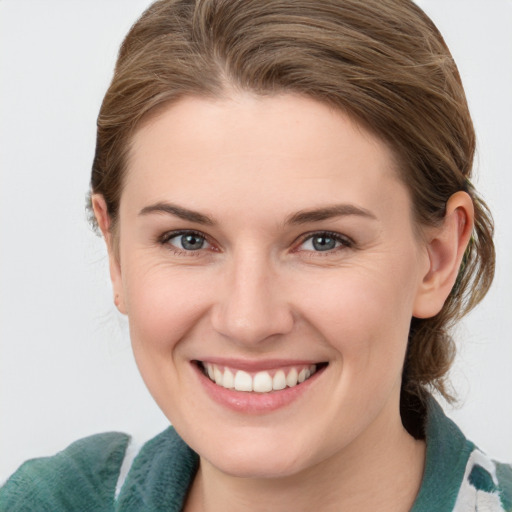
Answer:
(381, 470)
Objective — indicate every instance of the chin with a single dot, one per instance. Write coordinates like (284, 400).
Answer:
(261, 465)
(258, 456)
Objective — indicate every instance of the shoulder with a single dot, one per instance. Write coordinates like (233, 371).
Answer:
(504, 478)
(160, 476)
(81, 477)
(487, 484)
(458, 476)
(103, 472)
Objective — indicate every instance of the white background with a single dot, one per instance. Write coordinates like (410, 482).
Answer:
(66, 369)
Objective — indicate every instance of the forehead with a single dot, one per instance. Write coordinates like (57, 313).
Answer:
(288, 149)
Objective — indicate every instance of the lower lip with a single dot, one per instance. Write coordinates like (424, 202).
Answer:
(253, 402)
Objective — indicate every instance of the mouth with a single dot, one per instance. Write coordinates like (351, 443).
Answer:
(263, 381)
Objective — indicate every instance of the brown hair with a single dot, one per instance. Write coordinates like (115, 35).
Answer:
(381, 61)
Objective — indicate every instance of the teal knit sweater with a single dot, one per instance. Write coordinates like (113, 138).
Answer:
(458, 477)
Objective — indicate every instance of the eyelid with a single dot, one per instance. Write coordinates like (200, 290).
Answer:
(344, 240)
(168, 235)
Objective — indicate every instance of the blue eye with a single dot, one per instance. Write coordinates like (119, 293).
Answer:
(188, 241)
(324, 242)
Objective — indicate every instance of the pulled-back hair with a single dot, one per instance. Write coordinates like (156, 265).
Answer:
(382, 62)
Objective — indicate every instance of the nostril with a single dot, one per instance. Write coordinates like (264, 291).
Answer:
(252, 325)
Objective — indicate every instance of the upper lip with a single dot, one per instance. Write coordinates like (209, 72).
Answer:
(258, 365)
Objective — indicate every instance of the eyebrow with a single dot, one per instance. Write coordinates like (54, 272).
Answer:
(301, 217)
(178, 211)
(329, 212)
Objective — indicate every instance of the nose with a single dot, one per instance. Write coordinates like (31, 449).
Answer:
(252, 306)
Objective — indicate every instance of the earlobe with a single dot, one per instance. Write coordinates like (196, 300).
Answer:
(445, 246)
(104, 222)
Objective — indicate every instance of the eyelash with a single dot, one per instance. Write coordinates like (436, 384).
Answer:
(343, 241)
(166, 237)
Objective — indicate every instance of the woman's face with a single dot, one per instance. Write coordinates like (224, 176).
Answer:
(262, 239)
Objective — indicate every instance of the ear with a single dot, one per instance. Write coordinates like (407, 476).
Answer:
(445, 246)
(103, 219)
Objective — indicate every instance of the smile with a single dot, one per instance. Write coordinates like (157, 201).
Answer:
(258, 382)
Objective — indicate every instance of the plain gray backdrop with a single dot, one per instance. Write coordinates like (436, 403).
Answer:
(66, 369)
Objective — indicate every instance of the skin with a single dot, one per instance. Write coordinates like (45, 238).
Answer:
(258, 289)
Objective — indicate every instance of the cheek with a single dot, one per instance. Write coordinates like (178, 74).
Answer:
(163, 305)
(365, 317)
(351, 302)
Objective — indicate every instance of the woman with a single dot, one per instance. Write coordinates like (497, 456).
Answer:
(284, 190)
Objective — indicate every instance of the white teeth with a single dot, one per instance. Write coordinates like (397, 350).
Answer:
(217, 375)
(279, 380)
(291, 378)
(261, 382)
(229, 379)
(243, 381)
